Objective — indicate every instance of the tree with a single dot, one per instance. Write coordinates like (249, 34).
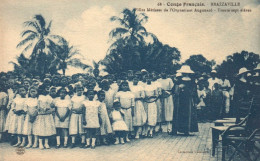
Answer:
(230, 67)
(131, 27)
(38, 36)
(199, 64)
(22, 66)
(134, 48)
(66, 56)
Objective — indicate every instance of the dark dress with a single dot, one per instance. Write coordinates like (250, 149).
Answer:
(184, 115)
(242, 98)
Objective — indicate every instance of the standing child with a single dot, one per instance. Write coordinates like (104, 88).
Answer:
(119, 125)
(44, 123)
(31, 108)
(62, 106)
(3, 109)
(140, 117)
(105, 127)
(126, 99)
(151, 94)
(76, 126)
(91, 118)
(17, 122)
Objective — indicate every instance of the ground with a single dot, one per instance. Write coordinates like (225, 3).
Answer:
(162, 147)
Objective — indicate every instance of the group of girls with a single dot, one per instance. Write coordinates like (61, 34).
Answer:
(122, 109)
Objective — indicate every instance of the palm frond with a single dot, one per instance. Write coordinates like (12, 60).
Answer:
(77, 63)
(29, 38)
(120, 20)
(117, 32)
(49, 26)
(27, 47)
(32, 24)
(60, 39)
(41, 21)
(27, 32)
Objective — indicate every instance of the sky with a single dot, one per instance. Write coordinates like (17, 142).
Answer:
(86, 25)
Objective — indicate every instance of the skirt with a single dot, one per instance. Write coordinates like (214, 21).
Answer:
(152, 114)
(168, 108)
(159, 111)
(64, 124)
(2, 120)
(75, 124)
(105, 127)
(28, 126)
(10, 116)
(140, 116)
(119, 126)
(44, 125)
(16, 124)
(128, 119)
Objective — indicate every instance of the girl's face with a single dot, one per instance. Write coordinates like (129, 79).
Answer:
(91, 95)
(26, 84)
(22, 92)
(135, 81)
(63, 82)
(62, 93)
(33, 93)
(101, 97)
(124, 87)
(53, 92)
(148, 81)
(79, 91)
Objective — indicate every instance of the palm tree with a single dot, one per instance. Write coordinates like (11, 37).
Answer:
(65, 56)
(38, 36)
(131, 27)
(22, 66)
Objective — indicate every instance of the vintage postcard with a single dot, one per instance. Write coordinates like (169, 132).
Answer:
(121, 80)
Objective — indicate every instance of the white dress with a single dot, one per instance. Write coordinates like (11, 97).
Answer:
(105, 127)
(31, 107)
(150, 91)
(127, 101)
(118, 121)
(93, 108)
(109, 99)
(17, 122)
(44, 123)
(202, 96)
(10, 114)
(140, 116)
(76, 126)
(63, 106)
(3, 112)
(158, 101)
(167, 85)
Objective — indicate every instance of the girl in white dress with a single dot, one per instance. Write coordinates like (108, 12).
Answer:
(44, 123)
(76, 126)
(105, 127)
(62, 106)
(3, 109)
(150, 98)
(31, 108)
(91, 118)
(140, 117)
(119, 126)
(127, 100)
(17, 122)
(167, 85)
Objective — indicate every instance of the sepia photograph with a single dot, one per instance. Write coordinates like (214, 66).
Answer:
(121, 80)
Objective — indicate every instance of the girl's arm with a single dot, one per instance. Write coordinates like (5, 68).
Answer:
(84, 115)
(57, 113)
(66, 115)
